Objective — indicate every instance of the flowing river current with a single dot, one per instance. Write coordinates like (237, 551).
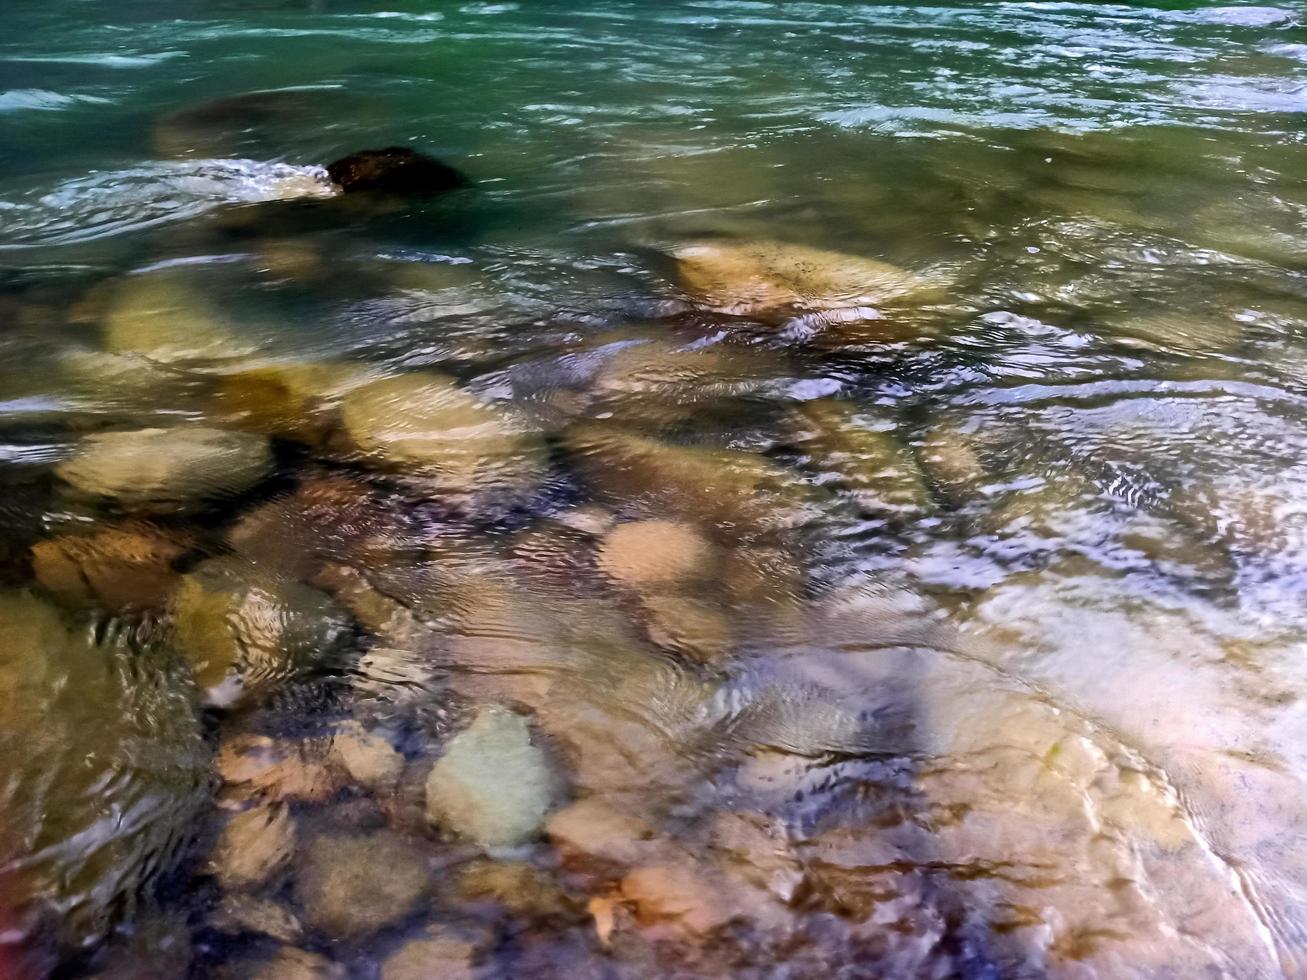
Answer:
(827, 498)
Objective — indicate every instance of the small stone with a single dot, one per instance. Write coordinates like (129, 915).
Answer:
(167, 471)
(728, 488)
(238, 914)
(492, 785)
(765, 278)
(120, 568)
(424, 423)
(869, 464)
(298, 964)
(350, 887)
(950, 460)
(287, 400)
(657, 553)
(688, 626)
(592, 829)
(593, 521)
(254, 847)
(166, 316)
(520, 889)
(678, 893)
(439, 954)
(258, 766)
(395, 170)
(371, 761)
(245, 631)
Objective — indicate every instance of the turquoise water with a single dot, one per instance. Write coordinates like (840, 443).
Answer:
(826, 500)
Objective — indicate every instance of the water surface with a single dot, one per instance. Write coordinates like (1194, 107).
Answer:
(946, 622)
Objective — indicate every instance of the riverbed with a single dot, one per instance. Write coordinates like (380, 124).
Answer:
(826, 498)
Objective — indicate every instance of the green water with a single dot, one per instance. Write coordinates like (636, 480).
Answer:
(548, 579)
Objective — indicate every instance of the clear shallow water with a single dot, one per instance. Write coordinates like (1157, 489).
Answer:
(968, 642)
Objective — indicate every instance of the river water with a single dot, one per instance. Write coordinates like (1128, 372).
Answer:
(826, 500)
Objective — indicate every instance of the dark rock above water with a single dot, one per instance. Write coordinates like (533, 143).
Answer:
(394, 170)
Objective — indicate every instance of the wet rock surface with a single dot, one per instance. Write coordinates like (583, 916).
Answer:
(350, 886)
(167, 471)
(394, 170)
(493, 785)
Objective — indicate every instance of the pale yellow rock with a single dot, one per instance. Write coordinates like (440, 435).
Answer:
(425, 423)
(165, 316)
(651, 553)
(167, 471)
(768, 278)
(255, 846)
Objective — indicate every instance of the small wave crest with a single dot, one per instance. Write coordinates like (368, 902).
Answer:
(114, 202)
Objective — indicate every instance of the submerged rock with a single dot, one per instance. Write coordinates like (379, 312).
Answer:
(424, 423)
(492, 785)
(254, 847)
(292, 963)
(241, 913)
(245, 631)
(167, 471)
(288, 400)
(119, 568)
(104, 769)
(394, 170)
(166, 317)
(768, 279)
(871, 465)
(651, 553)
(439, 953)
(371, 761)
(739, 492)
(350, 887)
(268, 769)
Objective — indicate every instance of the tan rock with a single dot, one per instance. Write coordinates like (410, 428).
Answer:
(371, 761)
(657, 553)
(767, 278)
(239, 913)
(291, 963)
(288, 400)
(166, 471)
(952, 461)
(519, 888)
(439, 954)
(127, 566)
(738, 492)
(255, 846)
(425, 423)
(274, 769)
(591, 829)
(678, 893)
(349, 887)
(688, 626)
